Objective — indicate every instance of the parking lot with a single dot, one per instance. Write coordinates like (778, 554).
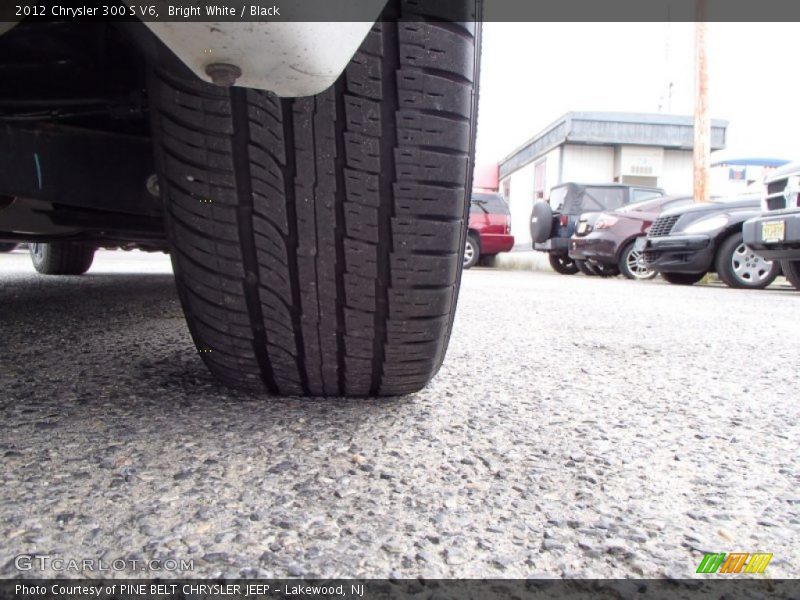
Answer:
(579, 427)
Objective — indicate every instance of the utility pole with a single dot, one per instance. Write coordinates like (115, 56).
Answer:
(702, 124)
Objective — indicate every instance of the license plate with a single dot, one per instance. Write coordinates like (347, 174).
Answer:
(773, 231)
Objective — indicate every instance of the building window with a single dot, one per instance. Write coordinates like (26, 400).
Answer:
(539, 180)
(505, 189)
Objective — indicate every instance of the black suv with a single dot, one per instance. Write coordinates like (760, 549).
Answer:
(775, 235)
(553, 222)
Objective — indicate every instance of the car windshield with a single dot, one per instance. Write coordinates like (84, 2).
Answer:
(489, 203)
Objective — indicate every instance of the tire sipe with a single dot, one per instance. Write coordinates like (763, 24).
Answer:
(317, 242)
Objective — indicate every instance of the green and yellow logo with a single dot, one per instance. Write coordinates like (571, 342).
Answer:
(735, 562)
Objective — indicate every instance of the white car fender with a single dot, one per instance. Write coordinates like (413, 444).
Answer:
(288, 58)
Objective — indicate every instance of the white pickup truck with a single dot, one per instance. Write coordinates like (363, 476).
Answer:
(775, 235)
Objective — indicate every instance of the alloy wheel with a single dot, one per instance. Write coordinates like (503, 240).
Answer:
(37, 250)
(469, 253)
(748, 266)
(637, 266)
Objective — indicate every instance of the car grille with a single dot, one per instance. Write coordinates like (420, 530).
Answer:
(650, 257)
(662, 226)
(775, 199)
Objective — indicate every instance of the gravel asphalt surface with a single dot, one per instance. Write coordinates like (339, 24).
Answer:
(579, 427)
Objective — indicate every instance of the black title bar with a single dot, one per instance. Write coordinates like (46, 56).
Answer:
(364, 10)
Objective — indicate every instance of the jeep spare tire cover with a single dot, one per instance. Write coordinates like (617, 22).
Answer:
(541, 222)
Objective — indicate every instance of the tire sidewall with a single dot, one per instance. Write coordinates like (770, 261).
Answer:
(791, 270)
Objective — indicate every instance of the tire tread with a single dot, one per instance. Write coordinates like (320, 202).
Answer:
(319, 239)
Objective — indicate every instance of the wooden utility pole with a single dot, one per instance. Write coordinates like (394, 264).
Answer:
(702, 123)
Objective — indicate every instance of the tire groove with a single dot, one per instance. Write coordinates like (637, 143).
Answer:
(241, 168)
(289, 175)
(391, 62)
(339, 232)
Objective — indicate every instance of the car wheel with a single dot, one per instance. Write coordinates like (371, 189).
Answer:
(488, 260)
(7, 247)
(791, 269)
(472, 252)
(604, 270)
(632, 264)
(739, 267)
(682, 278)
(562, 264)
(317, 242)
(541, 222)
(584, 268)
(62, 258)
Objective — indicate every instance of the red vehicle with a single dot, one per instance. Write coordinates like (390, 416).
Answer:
(489, 228)
(603, 243)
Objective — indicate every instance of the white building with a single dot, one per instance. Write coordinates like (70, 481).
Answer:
(600, 147)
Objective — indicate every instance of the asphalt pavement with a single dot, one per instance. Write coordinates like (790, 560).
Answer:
(579, 427)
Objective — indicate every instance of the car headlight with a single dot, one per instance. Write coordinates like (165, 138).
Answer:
(707, 224)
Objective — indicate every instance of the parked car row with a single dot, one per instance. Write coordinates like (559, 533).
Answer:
(604, 242)
(640, 232)
(555, 222)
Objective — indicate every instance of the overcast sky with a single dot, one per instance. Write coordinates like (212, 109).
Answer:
(532, 73)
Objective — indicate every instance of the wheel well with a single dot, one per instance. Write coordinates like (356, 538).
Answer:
(721, 238)
(474, 233)
(623, 245)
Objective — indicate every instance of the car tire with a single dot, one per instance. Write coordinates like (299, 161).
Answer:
(584, 268)
(603, 270)
(632, 266)
(562, 263)
(472, 251)
(682, 278)
(541, 222)
(791, 270)
(488, 260)
(739, 267)
(317, 242)
(62, 258)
